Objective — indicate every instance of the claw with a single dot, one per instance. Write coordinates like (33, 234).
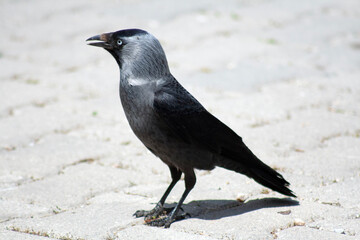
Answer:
(165, 221)
(154, 213)
(140, 213)
(160, 222)
(160, 216)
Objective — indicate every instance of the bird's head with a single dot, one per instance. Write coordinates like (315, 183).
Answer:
(136, 51)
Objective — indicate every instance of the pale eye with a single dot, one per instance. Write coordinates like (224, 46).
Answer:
(119, 42)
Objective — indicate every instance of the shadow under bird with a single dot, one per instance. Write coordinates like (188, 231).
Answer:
(172, 124)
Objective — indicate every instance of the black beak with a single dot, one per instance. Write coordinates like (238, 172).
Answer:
(101, 40)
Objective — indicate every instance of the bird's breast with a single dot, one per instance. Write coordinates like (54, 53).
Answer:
(154, 133)
(137, 100)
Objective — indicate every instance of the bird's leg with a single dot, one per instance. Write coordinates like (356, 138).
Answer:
(190, 180)
(158, 209)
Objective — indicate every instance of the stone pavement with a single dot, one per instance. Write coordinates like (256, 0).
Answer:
(285, 75)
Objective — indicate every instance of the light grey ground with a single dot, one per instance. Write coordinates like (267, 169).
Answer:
(283, 74)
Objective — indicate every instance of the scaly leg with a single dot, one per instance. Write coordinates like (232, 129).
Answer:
(155, 212)
(190, 180)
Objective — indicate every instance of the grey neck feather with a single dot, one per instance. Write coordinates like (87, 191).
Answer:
(144, 59)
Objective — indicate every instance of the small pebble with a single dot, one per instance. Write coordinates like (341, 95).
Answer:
(299, 222)
(241, 197)
(339, 230)
(287, 212)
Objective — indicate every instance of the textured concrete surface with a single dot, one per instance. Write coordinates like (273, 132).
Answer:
(285, 75)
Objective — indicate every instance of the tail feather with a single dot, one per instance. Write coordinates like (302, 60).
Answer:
(247, 163)
(268, 177)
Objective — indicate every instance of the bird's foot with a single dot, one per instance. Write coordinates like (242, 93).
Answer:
(160, 222)
(166, 221)
(160, 216)
(152, 214)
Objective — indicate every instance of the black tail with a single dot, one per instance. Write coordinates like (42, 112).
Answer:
(268, 177)
(247, 163)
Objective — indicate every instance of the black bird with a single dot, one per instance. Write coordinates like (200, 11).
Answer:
(172, 124)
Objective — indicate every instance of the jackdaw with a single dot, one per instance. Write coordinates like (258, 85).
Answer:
(172, 124)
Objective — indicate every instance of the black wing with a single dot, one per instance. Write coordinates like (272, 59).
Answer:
(186, 117)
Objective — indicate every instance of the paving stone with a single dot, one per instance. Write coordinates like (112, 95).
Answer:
(284, 75)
